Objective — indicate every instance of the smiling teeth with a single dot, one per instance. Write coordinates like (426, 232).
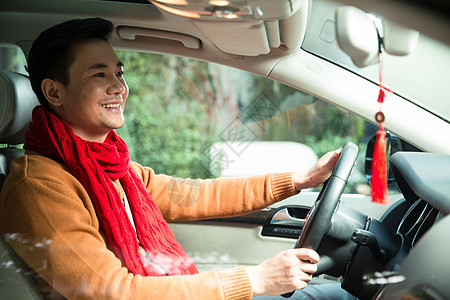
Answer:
(111, 105)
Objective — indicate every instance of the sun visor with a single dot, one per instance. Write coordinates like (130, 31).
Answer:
(238, 38)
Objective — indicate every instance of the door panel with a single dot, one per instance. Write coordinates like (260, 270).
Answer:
(252, 238)
(219, 245)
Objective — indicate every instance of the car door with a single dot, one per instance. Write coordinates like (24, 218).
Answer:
(252, 238)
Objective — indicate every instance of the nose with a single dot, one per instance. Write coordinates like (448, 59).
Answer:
(117, 86)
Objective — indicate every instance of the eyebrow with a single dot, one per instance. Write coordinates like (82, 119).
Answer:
(104, 66)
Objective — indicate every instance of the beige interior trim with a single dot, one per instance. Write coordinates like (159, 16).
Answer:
(130, 33)
(241, 38)
(273, 33)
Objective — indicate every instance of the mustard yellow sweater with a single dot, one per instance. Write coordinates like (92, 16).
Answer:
(49, 219)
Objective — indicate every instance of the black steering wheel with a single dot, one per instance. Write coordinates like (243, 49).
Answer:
(318, 220)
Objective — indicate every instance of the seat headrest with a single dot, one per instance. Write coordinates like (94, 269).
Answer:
(17, 100)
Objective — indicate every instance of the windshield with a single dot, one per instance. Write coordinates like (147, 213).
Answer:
(421, 77)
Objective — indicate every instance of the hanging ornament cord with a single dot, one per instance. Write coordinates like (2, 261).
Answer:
(379, 167)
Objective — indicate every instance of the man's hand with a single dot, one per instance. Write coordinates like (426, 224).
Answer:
(285, 272)
(319, 173)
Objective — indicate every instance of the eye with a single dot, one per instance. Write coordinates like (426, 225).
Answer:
(119, 74)
(101, 74)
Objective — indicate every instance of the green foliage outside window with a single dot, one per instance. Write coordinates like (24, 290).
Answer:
(166, 128)
(12, 59)
(178, 107)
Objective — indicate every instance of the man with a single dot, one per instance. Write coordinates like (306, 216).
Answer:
(91, 222)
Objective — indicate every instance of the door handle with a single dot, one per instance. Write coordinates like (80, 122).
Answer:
(282, 217)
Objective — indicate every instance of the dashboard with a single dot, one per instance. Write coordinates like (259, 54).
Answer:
(415, 234)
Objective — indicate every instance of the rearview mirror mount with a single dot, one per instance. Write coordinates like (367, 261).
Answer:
(393, 145)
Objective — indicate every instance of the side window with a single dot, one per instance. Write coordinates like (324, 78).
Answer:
(12, 59)
(190, 118)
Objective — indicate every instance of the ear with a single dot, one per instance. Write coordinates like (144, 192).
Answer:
(52, 91)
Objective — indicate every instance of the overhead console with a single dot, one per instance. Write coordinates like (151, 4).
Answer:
(231, 9)
(245, 27)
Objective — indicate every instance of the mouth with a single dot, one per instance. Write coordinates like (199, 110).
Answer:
(111, 105)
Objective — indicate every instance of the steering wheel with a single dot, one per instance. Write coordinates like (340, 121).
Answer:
(318, 220)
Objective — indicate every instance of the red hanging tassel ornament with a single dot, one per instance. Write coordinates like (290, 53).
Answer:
(379, 168)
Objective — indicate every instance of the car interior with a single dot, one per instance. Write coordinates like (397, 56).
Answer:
(393, 251)
(17, 101)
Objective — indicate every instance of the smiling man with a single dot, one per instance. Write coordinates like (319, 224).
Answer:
(100, 219)
(93, 100)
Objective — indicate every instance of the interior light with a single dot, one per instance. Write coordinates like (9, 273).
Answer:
(179, 12)
(219, 2)
(230, 16)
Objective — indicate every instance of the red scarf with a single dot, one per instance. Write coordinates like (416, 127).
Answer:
(96, 166)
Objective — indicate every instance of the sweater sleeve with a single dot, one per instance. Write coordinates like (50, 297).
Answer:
(50, 221)
(194, 199)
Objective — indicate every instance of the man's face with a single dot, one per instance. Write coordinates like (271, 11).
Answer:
(93, 101)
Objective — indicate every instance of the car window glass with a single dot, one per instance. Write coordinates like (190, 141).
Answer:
(190, 118)
(12, 59)
(430, 59)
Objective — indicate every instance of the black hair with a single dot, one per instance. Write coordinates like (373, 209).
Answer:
(51, 54)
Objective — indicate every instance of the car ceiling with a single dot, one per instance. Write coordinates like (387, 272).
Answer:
(142, 14)
(236, 46)
(147, 16)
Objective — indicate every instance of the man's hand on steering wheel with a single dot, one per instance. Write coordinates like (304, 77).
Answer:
(288, 270)
(319, 173)
(334, 167)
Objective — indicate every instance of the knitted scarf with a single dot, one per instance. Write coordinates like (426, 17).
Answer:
(96, 166)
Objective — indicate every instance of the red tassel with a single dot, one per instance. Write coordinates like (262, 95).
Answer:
(379, 169)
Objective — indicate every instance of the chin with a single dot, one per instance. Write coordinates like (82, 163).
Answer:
(114, 124)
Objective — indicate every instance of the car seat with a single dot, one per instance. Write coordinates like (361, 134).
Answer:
(17, 100)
